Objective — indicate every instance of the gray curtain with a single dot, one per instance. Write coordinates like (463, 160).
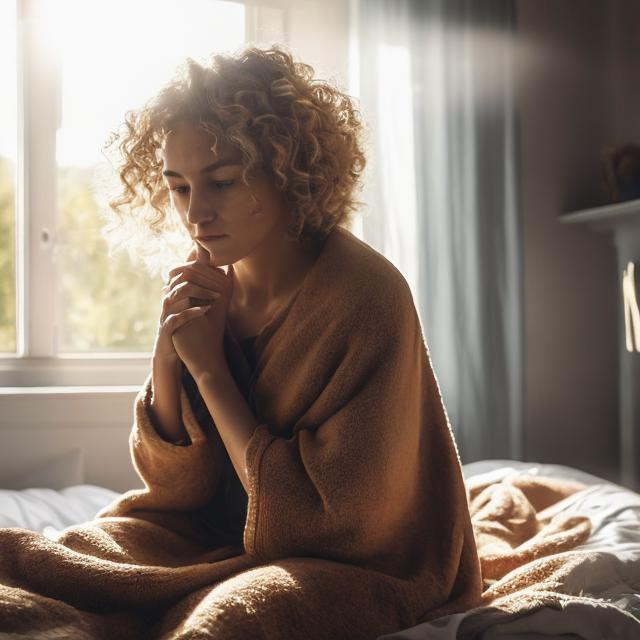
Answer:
(434, 80)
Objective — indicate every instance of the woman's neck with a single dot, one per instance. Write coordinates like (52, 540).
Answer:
(272, 273)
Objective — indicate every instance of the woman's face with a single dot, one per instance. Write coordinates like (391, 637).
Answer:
(207, 191)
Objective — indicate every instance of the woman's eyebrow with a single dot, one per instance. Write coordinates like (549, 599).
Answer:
(223, 162)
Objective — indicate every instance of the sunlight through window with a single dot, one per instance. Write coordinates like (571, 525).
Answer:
(395, 102)
(113, 56)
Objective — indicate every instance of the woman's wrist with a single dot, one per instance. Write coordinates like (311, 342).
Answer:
(165, 399)
(169, 364)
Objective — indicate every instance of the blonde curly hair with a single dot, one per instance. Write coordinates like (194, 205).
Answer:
(303, 132)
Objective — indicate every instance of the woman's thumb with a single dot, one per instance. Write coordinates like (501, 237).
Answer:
(202, 255)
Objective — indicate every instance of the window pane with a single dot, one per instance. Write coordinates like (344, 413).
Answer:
(8, 138)
(115, 62)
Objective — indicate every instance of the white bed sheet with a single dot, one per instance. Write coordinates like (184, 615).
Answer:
(47, 510)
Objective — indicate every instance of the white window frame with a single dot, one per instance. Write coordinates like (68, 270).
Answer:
(35, 362)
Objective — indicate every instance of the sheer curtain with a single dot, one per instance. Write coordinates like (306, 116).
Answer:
(434, 82)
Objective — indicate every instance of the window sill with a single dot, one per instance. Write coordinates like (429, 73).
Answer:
(97, 372)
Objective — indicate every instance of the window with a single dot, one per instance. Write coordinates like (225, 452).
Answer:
(105, 304)
(8, 138)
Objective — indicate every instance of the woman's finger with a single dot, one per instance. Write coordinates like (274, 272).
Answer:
(188, 289)
(199, 259)
(202, 255)
(176, 320)
(208, 281)
(169, 307)
(189, 296)
(174, 306)
(207, 270)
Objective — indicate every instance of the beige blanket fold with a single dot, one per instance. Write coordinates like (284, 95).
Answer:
(528, 548)
(517, 521)
(357, 520)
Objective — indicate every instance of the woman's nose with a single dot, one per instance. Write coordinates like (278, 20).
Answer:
(201, 209)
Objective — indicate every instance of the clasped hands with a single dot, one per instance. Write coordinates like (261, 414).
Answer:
(194, 314)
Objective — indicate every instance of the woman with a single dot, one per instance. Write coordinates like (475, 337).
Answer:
(301, 478)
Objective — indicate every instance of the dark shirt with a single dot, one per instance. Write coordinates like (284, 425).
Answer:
(225, 515)
(248, 348)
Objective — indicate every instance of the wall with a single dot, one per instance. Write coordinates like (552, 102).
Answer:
(316, 31)
(41, 424)
(576, 94)
(622, 85)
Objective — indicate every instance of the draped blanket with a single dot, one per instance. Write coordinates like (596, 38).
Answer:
(357, 516)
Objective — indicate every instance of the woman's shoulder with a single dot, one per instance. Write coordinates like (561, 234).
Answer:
(354, 274)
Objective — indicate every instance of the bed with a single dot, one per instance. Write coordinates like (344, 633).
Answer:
(602, 597)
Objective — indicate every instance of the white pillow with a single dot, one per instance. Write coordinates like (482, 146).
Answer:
(56, 472)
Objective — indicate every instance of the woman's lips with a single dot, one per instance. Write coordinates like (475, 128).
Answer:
(211, 238)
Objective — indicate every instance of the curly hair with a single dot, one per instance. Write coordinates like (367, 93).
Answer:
(303, 132)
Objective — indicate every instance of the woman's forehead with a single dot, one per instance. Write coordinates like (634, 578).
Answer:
(188, 144)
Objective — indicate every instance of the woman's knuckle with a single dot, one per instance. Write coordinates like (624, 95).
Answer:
(201, 292)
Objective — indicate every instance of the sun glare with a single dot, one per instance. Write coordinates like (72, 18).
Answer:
(114, 55)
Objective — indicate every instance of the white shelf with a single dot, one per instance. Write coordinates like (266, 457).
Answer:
(611, 213)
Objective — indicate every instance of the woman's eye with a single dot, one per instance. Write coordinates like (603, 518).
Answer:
(218, 184)
(223, 184)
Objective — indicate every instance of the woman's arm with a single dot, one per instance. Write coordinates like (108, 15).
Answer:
(175, 478)
(165, 408)
(233, 417)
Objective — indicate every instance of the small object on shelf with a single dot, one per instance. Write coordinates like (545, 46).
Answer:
(621, 172)
(631, 311)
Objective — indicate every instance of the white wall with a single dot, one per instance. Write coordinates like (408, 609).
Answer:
(38, 425)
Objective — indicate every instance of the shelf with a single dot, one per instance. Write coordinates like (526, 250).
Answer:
(610, 214)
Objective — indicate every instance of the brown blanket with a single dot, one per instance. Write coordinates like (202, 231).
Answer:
(526, 546)
(358, 521)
